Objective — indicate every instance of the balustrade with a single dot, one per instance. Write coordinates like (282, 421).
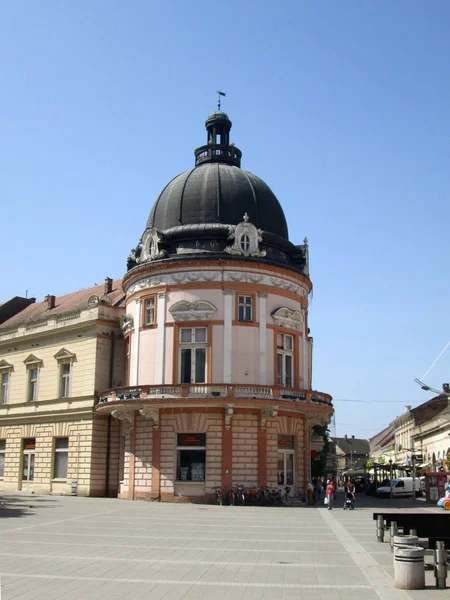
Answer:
(207, 390)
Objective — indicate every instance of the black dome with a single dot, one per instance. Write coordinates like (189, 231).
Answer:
(216, 192)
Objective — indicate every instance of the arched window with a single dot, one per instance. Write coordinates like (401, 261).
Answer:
(245, 243)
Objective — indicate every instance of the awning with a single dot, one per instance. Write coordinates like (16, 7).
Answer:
(355, 472)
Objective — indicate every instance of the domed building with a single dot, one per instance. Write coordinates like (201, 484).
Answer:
(218, 351)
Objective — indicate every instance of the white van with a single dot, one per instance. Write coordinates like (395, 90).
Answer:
(401, 487)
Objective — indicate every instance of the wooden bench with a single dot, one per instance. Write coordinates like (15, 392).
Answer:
(430, 525)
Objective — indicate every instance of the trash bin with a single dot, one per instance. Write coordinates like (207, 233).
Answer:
(409, 568)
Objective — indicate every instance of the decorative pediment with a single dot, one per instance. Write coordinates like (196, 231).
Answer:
(96, 300)
(285, 317)
(33, 362)
(6, 367)
(64, 356)
(127, 323)
(150, 246)
(199, 310)
(246, 239)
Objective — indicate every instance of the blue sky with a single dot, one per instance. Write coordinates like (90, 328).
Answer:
(342, 107)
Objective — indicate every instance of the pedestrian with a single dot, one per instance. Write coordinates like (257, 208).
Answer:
(319, 489)
(331, 490)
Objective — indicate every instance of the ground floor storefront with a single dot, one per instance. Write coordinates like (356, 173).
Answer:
(152, 451)
(185, 454)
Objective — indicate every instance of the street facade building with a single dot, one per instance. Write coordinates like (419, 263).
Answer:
(382, 446)
(218, 349)
(54, 356)
(430, 438)
(418, 439)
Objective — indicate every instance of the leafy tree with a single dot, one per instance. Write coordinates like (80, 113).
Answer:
(318, 466)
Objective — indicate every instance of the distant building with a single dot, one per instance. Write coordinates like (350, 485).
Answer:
(352, 455)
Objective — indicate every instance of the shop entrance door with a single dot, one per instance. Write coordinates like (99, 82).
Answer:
(286, 471)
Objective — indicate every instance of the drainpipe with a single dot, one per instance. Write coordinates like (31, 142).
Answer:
(108, 435)
(108, 442)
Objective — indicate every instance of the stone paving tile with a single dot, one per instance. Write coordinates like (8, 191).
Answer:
(105, 548)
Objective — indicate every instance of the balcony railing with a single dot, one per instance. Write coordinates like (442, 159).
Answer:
(208, 390)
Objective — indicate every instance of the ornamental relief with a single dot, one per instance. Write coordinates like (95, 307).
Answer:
(150, 247)
(285, 317)
(126, 323)
(214, 276)
(246, 239)
(199, 310)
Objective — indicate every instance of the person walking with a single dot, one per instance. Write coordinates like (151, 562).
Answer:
(331, 490)
(318, 489)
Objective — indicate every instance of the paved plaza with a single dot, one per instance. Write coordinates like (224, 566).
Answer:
(81, 548)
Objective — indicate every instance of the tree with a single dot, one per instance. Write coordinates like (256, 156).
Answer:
(318, 466)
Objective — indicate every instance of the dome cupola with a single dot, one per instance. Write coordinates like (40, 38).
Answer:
(198, 211)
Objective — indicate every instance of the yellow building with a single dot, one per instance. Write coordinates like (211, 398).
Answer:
(54, 356)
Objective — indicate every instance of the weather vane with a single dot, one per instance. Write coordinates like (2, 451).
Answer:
(219, 93)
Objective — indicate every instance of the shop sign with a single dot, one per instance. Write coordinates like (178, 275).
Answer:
(286, 442)
(191, 439)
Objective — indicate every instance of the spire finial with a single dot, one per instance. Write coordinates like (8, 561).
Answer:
(219, 93)
(246, 217)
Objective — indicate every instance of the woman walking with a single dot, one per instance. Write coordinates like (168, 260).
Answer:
(331, 490)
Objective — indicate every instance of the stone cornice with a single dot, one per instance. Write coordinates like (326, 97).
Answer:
(207, 264)
(215, 276)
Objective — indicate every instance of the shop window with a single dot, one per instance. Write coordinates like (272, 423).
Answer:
(61, 458)
(193, 347)
(285, 359)
(191, 456)
(64, 380)
(245, 308)
(4, 391)
(29, 449)
(2, 457)
(149, 311)
(32, 384)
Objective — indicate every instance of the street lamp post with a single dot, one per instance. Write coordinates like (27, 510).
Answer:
(390, 476)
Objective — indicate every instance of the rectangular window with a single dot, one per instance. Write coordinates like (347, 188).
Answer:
(29, 447)
(61, 458)
(149, 311)
(245, 312)
(32, 384)
(191, 456)
(65, 380)
(285, 359)
(193, 346)
(4, 388)
(2, 457)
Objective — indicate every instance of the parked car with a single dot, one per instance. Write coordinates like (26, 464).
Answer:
(401, 488)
